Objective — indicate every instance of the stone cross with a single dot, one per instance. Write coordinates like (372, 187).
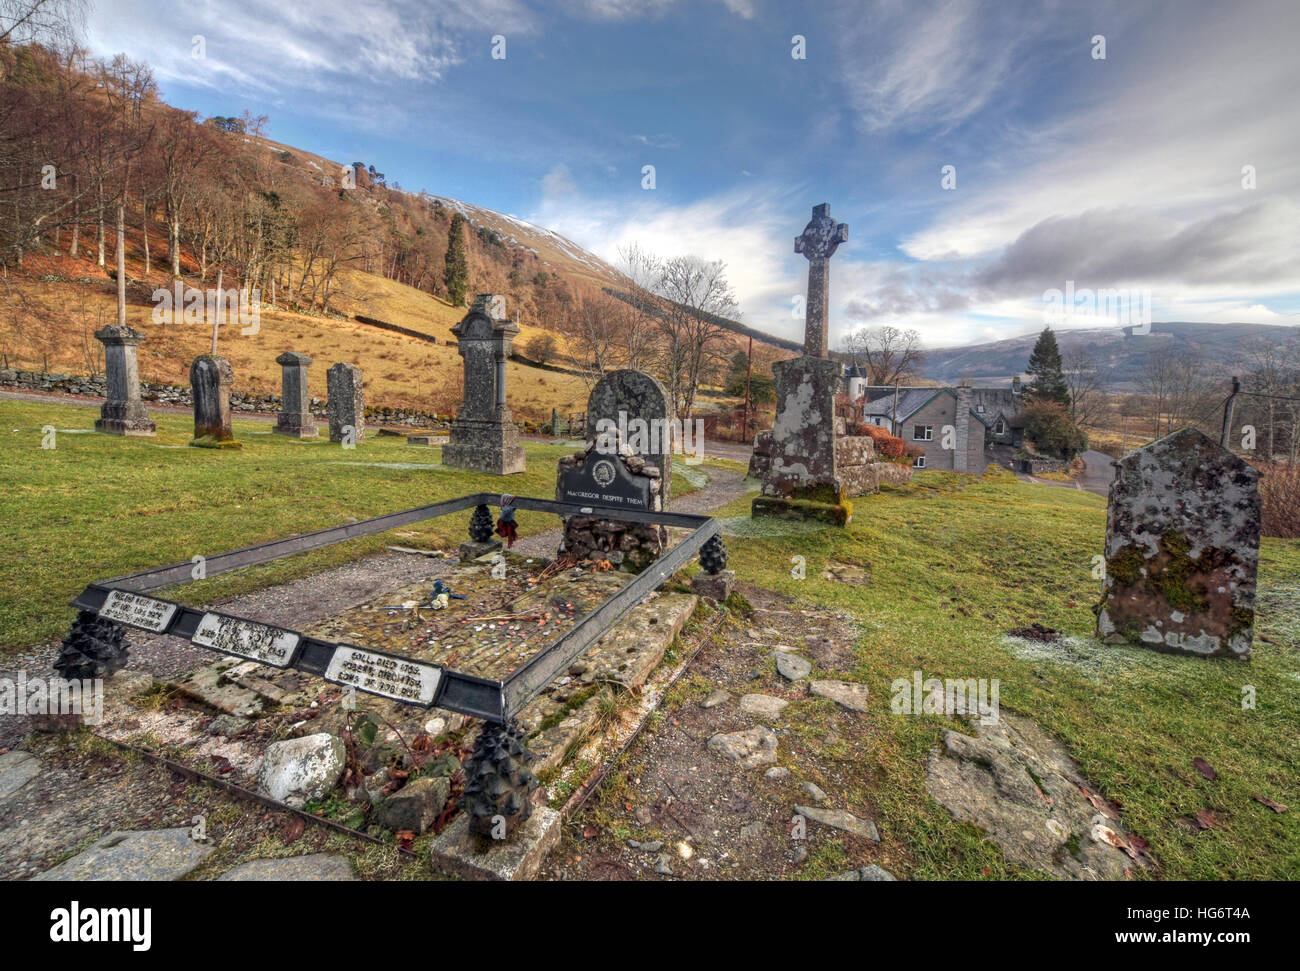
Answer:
(294, 419)
(346, 404)
(818, 243)
(210, 382)
(123, 411)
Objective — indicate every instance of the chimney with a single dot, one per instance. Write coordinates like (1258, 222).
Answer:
(1015, 385)
(962, 427)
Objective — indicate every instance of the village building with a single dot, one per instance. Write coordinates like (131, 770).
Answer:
(959, 429)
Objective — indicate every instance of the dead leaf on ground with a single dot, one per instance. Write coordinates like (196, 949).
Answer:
(1205, 769)
(1277, 807)
(293, 829)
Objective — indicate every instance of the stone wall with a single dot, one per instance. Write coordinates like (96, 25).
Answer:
(174, 394)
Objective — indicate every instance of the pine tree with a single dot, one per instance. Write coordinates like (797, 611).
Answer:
(1047, 380)
(456, 272)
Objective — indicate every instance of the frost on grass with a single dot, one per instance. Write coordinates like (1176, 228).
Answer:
(1085, 653)
(767, 527)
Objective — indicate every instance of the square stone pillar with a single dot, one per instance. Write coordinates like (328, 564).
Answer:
(123, 413)
(295, 419)
(483, 436)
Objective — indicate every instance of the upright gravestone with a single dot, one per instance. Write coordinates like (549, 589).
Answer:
(294, 420)
(1182, 549)
(800, 479)
(210, 381)
(123, 411)
(483, 435)
(625, 465)
(346, 404)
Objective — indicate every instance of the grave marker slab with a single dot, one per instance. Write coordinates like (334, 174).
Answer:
(210, 381)
(346, 404)
(1182, 549)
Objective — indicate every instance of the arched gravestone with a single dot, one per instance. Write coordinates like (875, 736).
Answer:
(483, 436)
(637, 405)
(1182, 549)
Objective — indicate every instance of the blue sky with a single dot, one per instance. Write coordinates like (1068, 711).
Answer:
(1123, 172)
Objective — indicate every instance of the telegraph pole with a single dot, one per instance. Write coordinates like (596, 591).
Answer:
(1228, 407)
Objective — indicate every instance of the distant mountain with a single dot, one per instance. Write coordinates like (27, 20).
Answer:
(1120, 353)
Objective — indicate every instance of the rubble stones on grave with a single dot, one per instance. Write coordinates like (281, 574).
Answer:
(299, 770)
(294, 419)
(414, 807)
(345, 402)
(123, 411)
(210, 381)
(483, 436)
(1182, 549)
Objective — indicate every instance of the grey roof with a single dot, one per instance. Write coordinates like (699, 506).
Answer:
(996, 401)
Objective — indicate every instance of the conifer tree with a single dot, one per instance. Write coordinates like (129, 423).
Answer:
(456, 271)
(1047, 380)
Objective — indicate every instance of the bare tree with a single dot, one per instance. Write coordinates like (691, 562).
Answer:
(890, 354)
(696, 293)
(1086, 384)
(46, 21)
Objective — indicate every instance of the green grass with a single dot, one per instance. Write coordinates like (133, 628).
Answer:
(954, 562)
(97, 506)
(957, 561)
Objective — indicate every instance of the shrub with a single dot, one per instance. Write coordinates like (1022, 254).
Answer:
(1279, 497)
(1049, 427)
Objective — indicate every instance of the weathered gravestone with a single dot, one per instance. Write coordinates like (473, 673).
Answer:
(346, 403)
(800, 479)
(294, 420)
(123, 411)
(625, 465)
(483, 435)
(1182, 549)
(210, 381)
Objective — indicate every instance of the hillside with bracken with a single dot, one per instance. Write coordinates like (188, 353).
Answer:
(333, 251)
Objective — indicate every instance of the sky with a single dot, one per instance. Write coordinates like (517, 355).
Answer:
(1166, 171)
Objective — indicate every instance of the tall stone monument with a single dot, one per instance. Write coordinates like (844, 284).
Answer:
(800, 479)
(211, 379)
(123, 411)
(1182, 549)
(483, 436)
(346, 404)
(294, 420)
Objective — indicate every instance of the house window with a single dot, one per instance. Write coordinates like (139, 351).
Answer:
(1000, 428)
(980, 409)
(923, 433)
(919, 463)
